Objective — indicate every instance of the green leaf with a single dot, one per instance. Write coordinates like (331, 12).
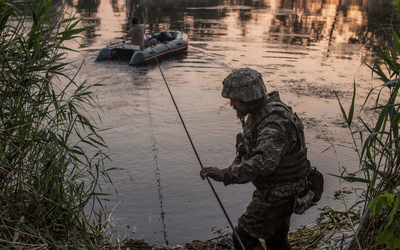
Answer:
(386, 235)
(69, 33)
(397, 2)
(393, 243)
(390, 198)
(382, 118)
(342, 109)
(380, 173)
(352, 179)
(395, 119)
(351, 111)
(98, 194)
(397, 226)
(30, 229)
(378, 204)
(367, 142)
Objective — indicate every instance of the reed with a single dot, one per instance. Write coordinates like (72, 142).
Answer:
(373, 221)
(52, 157)
(377, 147)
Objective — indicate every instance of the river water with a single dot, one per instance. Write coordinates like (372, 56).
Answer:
(305, 49)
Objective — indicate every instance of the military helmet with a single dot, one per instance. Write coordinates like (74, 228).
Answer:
(243, 84)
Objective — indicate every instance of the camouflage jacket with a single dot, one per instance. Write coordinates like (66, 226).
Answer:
(267, 142)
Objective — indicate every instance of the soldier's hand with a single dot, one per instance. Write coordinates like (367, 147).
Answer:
(214, 173)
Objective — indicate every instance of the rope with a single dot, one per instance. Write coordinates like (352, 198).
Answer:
(198, 158)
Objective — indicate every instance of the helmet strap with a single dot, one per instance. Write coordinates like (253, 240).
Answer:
(242, 121)
(254, 106)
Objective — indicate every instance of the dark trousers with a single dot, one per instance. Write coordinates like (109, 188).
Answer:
(279, 242)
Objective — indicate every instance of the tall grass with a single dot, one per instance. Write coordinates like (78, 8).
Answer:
(48, 171)
(377, 146)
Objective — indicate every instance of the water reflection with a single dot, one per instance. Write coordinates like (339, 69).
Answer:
(160, 197)
(157, 172)
(295, 22)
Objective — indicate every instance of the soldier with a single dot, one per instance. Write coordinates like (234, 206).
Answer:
(138, 37)
(271, 153)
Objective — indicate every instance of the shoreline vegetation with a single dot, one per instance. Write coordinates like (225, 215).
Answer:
(48, 177)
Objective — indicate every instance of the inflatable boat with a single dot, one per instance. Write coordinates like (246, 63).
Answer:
(124, 51)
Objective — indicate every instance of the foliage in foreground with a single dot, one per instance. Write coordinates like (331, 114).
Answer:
(377, 224)
(378, 153)
(51, 158)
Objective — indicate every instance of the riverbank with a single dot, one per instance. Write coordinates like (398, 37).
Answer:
(331, 230)
(222, 242)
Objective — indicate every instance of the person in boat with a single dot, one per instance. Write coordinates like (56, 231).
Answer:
(138, 37)
(271, 153)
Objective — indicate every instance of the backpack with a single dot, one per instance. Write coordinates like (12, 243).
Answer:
(316, 180)
(165, 36)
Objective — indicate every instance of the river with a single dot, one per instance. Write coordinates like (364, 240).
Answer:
(305, 49)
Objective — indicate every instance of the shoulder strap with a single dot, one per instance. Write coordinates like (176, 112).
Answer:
(282, 109)
(271, 108)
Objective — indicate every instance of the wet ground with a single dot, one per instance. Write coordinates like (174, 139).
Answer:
(221, 242)
(307, 54)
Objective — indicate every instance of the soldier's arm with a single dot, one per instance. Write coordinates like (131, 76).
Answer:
(272, 144)
(236, 161)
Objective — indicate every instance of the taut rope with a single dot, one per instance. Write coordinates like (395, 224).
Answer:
(198, 158)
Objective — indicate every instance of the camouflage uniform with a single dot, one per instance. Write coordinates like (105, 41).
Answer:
(268, 214)
(272, 155)
(268, 135)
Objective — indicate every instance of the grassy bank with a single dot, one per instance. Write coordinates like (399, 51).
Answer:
(47, 176)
